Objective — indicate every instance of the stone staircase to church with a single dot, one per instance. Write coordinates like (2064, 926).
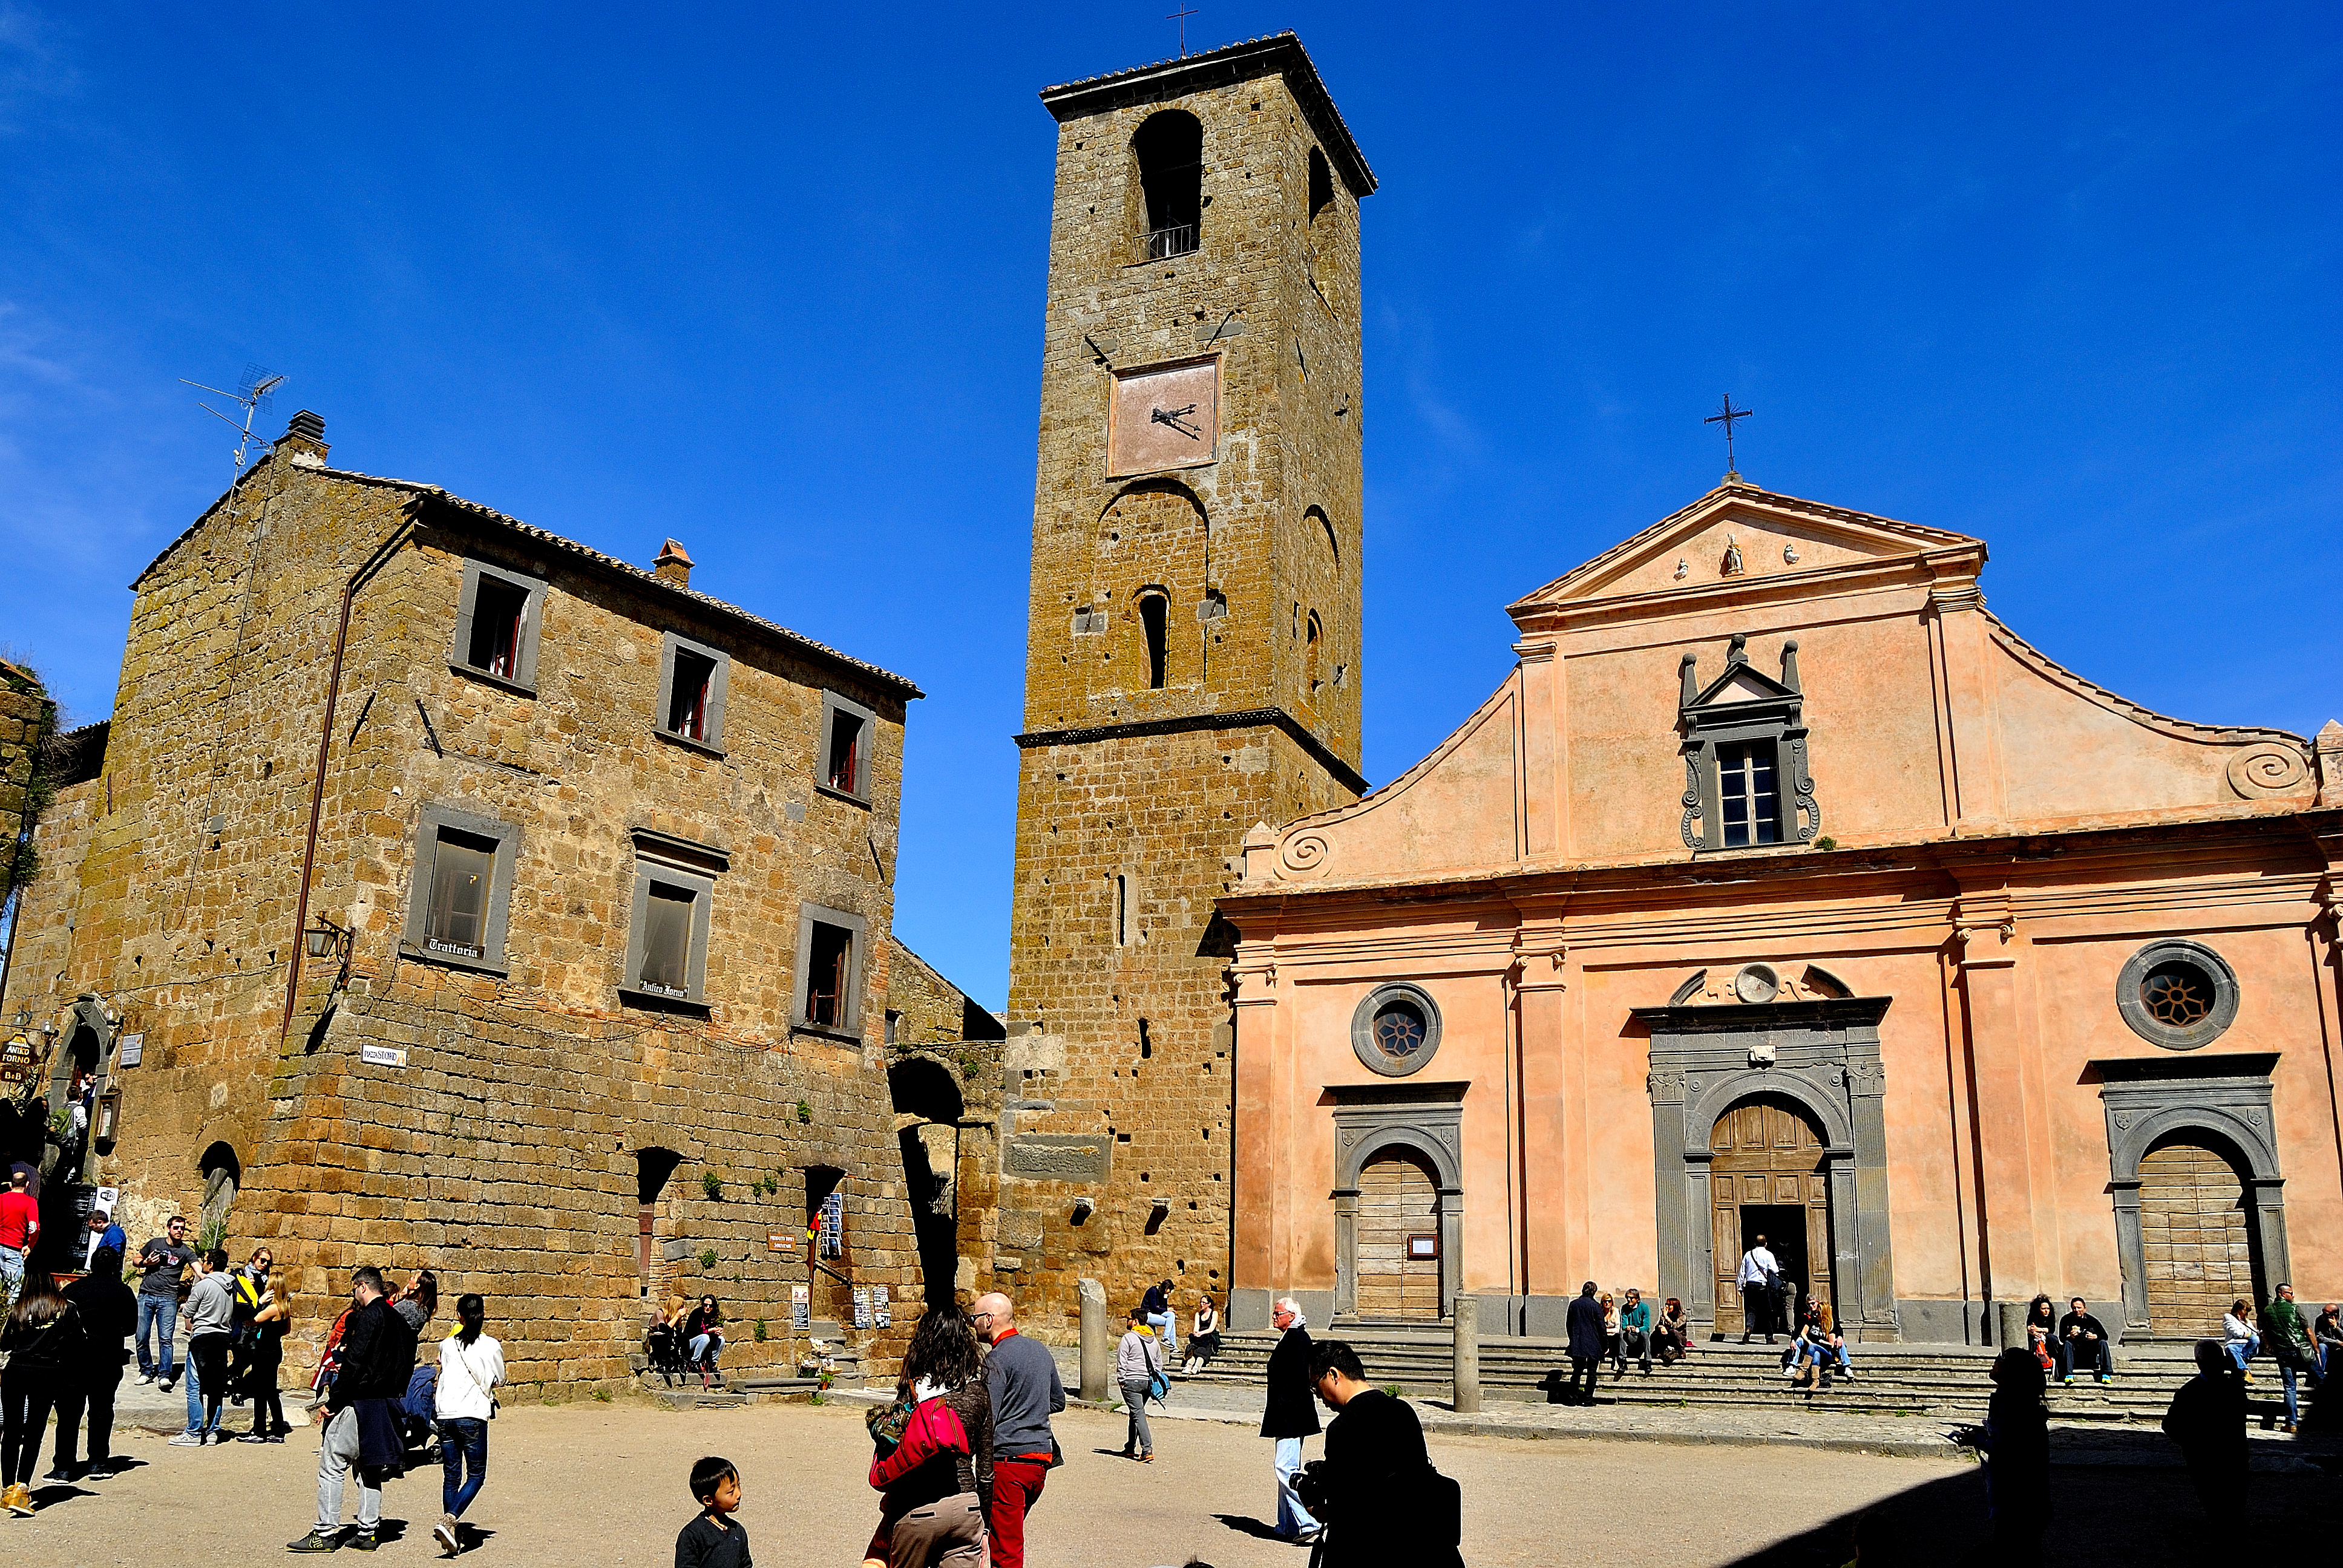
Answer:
(1943, 1382)
(842, 1358)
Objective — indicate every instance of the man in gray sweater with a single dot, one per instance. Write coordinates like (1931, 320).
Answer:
(210, 1315)
(1023, 1378)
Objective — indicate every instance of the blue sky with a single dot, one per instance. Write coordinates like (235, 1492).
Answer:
(2062, 277)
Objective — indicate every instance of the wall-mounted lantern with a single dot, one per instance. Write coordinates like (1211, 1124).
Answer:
(108, 1116)
(323, 939)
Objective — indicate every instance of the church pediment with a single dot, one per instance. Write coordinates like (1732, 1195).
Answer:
(1736, 536)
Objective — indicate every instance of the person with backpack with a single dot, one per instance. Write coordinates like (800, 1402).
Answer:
(1138, 1367)
(2294, 1350)
(109, 1313)
(931, 1452)
(1383, 1503)
(471, 1366)
(42, 1338)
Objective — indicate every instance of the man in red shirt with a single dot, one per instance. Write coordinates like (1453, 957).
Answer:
(20, 1222)
(1026, 1393)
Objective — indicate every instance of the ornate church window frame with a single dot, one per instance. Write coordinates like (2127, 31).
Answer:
(1752, 719)
(1381, 1011)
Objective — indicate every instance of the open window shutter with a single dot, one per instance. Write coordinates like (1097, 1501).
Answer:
(460, 652)
(525, 644)
(717, 683)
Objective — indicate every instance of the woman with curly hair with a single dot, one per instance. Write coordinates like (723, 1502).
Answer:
(933, 1459)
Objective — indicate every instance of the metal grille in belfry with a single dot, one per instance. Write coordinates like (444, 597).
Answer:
(1178, 239)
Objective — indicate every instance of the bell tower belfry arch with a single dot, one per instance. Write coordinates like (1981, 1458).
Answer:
(1193, 635)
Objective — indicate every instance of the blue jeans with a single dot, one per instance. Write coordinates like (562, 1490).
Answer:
(2242, 1353)
(1162, 1324)
(163, 1311)
(1822, 1353)
(1292, 1517)
(463, 1445)
(709, 1345)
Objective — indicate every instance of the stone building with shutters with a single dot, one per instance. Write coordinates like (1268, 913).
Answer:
(1782, 888)
(445, 893)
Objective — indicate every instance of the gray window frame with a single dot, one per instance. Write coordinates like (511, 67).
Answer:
(831, 705)
(859, 955)
(460, 647)
(2155, 1030)
(1362, 1029)
(678, 863)
(428, 821)
(719, 687)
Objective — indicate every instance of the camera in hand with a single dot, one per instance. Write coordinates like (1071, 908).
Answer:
(1315, 1487)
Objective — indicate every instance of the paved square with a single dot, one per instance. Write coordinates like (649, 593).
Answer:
(591, 1483)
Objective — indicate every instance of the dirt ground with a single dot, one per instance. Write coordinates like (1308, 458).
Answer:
(590, 1483)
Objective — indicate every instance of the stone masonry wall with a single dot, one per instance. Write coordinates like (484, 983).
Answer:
(26, 718)
(503, 1149)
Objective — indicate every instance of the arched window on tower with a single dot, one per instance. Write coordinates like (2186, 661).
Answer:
(1169, 149)
(1310, 674)
(1322, 185)
(1154, 614)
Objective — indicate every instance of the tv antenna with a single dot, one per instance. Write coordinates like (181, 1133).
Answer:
(255, 392)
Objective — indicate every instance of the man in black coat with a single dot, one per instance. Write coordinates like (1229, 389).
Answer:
(361, 1433)
(1385, 1506)
(1292, 1416)
(109, 1314)
(1584, 1326)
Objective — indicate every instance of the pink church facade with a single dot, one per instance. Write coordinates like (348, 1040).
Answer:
(1783, 889)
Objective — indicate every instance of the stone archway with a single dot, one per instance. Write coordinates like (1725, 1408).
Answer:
(1769, 1175)
(1821, 1056)
(1422, 1126)
(2219, 1105)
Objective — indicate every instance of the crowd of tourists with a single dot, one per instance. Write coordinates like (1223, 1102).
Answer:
(64, 1352)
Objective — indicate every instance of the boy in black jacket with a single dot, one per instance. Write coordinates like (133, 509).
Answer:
(714, 1540)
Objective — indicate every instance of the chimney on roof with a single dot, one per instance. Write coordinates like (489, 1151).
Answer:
(673, 565)
(305, 437)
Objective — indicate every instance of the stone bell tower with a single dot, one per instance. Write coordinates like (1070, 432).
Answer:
(1192, 636)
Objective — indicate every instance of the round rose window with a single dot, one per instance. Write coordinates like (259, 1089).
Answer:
(2177, 994)
(1395, 1029)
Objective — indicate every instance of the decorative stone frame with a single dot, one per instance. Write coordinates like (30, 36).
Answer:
(1426, 1117)
(532, 618)
(1744, 704)
(678, 863)
(1825, 1056)
(2154, 1030)
(2227, 1098)
(428, 821)
(857, 957)
(1363, 1029)
(719, 686)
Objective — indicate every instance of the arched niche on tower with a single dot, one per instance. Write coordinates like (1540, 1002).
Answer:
(1151, 556)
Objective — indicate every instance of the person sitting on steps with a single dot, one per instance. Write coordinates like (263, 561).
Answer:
(1634, 1332)
(1819, 1340)
(1673, 1336)
(2082, 1338)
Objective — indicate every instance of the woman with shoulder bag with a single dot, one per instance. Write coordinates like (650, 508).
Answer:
(471, 1366)
(932, 1453)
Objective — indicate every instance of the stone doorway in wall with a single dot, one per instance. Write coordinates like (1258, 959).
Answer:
(1398, 1248)
(2195, 1242)
(1769, 1177)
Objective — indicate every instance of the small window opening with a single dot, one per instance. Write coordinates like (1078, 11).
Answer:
(687, 703)
(1122, 910)
(894, 1019)
(1322, 185)
(844, 770)
(500, 611)
(833, 948)
(461, 868)
(1746, 793)
(1170, 151)
(1146, 1045)
(666, 940)
(1152, 617)
(1310, 656)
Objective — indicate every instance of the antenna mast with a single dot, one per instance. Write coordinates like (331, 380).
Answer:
(253, 393)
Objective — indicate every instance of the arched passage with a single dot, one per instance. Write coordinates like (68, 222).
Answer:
(223, 1174)
(928, 1105)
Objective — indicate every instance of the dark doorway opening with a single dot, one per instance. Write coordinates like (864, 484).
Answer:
(931, 1153)
(653, 1167)
(1783, 1226)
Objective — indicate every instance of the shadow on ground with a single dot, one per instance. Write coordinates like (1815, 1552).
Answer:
(2129, 1506)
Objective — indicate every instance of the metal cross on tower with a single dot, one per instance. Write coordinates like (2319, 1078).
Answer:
(1180, 16)
(1726, 417)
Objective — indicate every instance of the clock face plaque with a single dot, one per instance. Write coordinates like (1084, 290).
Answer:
(1164, 416)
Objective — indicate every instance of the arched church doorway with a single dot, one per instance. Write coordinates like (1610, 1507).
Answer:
(1398, 1248)
(2196, 1243)
(1768, 1178)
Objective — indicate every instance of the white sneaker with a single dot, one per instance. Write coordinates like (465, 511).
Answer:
(145, 1378)
(188, 1440)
